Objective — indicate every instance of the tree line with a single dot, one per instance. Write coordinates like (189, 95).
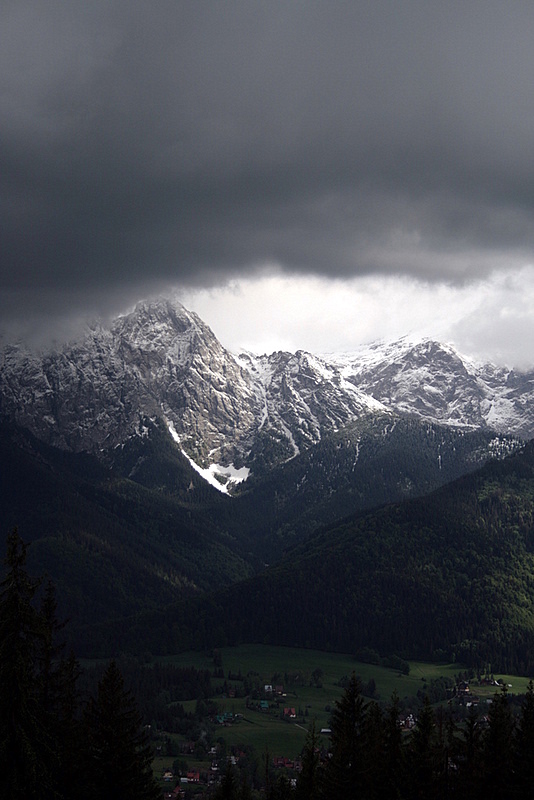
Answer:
(57, 742)
(53, 742)
(371, 758)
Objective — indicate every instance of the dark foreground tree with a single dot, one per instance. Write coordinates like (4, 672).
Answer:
(48, 748)
(374, 744)
(498, 749)
(58, 698)
(422, 756)
(393, 753)
(308, 779)
(524, 746)
(119, 759)
(28, 753)
(280, 789)
(469, 757)
(345, 771)
(228, 788)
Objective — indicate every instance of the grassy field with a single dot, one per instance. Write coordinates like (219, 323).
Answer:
(293, 668)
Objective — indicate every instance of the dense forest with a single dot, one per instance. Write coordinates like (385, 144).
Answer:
(52, 744)
(447, 574)
(450, 574)
(135, 536)
(59, 740)
(113, 546)
(376, 460)
(369, 757)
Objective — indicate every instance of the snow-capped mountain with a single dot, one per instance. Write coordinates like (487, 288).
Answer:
(162, 362)
(240, 412)
(301, 397)
(159, 361)
(434, 382)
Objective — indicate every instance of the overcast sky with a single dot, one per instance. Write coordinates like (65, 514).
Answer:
(304, 174)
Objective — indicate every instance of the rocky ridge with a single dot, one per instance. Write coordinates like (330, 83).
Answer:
(162, 362)
(433, 381)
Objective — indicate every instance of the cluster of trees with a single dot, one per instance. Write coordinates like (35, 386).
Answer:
(371, 758)
(158, 689)
(53, 742)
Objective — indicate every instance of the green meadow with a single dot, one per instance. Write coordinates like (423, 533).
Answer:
(312, 699)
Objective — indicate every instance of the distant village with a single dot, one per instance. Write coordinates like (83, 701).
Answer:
(272, 699)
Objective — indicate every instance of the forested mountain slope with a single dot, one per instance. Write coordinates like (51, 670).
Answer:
(112, 546)
(107, 443)
(450, 574)
(376, 460)
(151, 530)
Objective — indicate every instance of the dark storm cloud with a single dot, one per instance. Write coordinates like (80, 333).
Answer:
(145, 143)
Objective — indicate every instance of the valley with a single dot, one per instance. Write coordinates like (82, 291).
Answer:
(263, 700)
(373, 481)
(239, 537)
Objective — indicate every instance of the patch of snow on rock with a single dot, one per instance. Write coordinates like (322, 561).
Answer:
(229, 473)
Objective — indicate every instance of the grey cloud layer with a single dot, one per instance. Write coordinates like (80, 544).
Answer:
(185, 142)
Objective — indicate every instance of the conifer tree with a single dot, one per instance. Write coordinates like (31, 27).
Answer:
(393, 766)
(344, 773)
(119, 763)
(444, 742)
(70, 734)
(245, 790)
(307, 787)
(422, 754)
(470, 756)
(498, 748)
(27, 750)
(524, 746)
(58, 698)
(280, 789)
(228, 789)
(374, 736)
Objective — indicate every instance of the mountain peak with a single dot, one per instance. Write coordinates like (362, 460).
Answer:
(156, 316)
(161, 361)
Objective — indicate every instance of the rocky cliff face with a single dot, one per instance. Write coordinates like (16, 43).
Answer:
(158, 361)
(162, 362)
(434, 382)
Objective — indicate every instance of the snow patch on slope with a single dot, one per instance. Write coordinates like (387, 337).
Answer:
(215, 472)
